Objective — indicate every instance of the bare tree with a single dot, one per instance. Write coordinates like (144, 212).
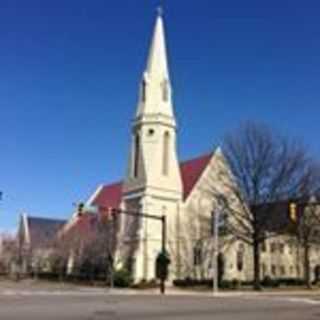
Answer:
(89, 246)
(307, 231)
(63, 251)
(8, 253)
(191, 250)
(97, 254)
(191, 247)
(262, 169)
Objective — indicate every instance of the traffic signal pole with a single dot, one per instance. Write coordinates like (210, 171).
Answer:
(163, 241)
(162, 219)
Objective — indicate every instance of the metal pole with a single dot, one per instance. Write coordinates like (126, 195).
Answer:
(215, 251)
(112, 251)
(163, 220)
(163, 245)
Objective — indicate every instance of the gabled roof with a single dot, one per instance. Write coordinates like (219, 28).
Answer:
(110, 195)
(43, 230)
(191, 170)
(84, 224)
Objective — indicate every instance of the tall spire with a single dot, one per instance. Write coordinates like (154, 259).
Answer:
(157, 60)
(155, 90)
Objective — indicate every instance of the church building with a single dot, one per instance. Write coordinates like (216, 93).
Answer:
(156, 182)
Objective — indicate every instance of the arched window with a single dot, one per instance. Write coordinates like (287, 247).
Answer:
(165, 90)
(165, 161)
(240, 257)
(143, 90)
(197, 254)
(136, 155)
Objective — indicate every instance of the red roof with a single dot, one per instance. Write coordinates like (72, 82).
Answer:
(84, 225)
(110, 195)
(191, 170)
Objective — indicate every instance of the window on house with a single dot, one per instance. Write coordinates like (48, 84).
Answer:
(239, 261)
(283, 270)
(165, 160)
(197, 255)
(136, 156)
(291, 248)
(263, 269)
(263, 246)
(273, 270)
(240, 257)
(130, 265)
(291, 270)
(273, 247)
(281, 247)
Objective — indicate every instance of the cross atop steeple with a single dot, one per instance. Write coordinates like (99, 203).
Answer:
(160, 11)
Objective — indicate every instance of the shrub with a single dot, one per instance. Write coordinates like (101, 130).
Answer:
(144, 284)
(188, 282)
(122, 278)
(236, 283)
(269, 282)
(226, 284)
(291, 282)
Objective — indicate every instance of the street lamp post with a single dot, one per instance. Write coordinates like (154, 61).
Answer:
(215, 230)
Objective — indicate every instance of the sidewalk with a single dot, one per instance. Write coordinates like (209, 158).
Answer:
(30, 286)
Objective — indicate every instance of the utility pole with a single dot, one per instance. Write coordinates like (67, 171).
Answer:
(113, 248)
(215, 230)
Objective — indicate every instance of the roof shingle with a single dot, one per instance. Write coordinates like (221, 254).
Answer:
(43, 230)
(191, 170)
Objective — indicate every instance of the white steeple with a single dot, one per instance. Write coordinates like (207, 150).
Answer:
(157, 61)
(153, 182)
(155, 92)
(153, 162)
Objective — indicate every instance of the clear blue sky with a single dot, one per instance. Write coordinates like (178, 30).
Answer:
(69, 73)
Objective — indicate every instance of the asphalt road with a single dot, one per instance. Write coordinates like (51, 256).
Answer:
(91, 306)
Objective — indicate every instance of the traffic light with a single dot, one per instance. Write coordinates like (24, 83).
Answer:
(293, 209)
(80, 209)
